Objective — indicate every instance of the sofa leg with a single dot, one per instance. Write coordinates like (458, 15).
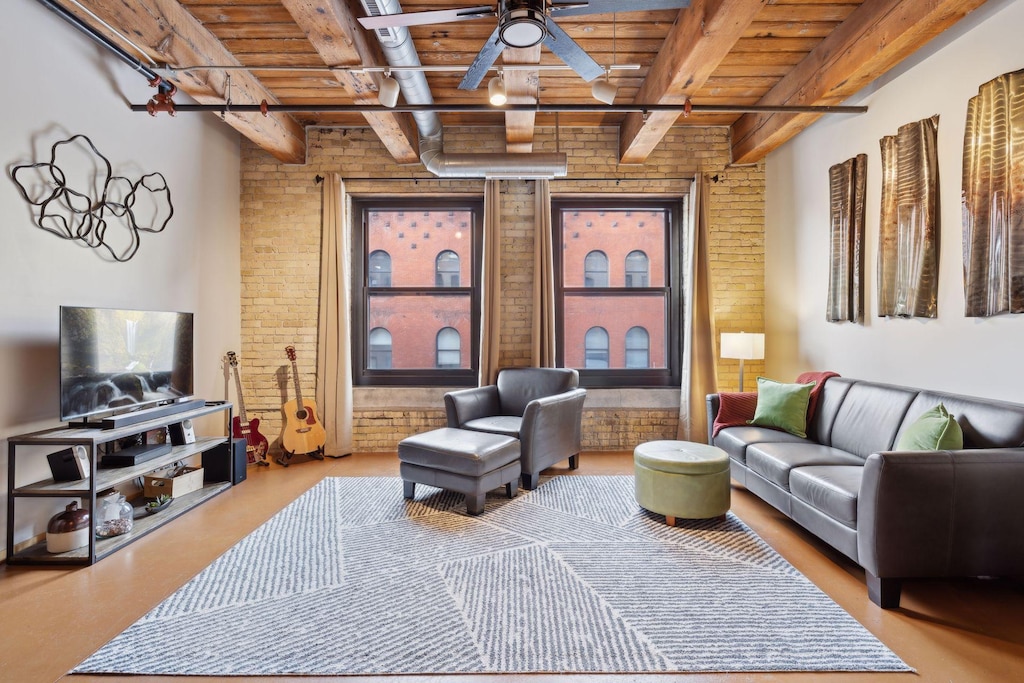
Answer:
(409, 489)
(883, 592)
(574, 461)
(529, 481)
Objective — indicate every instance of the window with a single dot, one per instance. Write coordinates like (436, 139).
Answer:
(447, 269)
(637, 269)
(595, 269)
(416, 312)
(449, 348)
(380, 349)
(595, 353)
(638, 348)
(379, 274)
(619, 328)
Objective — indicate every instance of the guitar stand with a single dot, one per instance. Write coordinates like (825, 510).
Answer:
(286, 456)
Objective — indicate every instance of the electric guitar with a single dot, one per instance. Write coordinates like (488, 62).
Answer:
(256, 445)
(303, 432)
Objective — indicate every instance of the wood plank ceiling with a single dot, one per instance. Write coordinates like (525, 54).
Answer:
(715, 52)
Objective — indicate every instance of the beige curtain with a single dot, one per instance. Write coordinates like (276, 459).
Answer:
(699, 360)
(490, 318)
(542, 347)
(334, 354)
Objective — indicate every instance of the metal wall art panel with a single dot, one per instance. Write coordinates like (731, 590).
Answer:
(908, 245)
(846, 263)
(993, 198)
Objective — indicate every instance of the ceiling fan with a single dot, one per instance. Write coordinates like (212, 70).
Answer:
(524, 23)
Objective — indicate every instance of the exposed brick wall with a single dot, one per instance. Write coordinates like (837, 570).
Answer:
(280, 245)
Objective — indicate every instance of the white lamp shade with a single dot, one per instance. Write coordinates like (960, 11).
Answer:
(496, 91)
(388, 93)
(604, 91)
(742, 345)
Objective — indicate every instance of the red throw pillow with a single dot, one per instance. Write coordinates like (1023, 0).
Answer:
(734, 409)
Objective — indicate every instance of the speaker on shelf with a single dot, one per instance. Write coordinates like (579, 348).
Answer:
(225, 462)
(70, 464)
(182, 432)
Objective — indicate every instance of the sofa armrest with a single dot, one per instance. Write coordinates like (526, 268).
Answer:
(551, 429)
(470, 404)
(942, 513)
(713, 402)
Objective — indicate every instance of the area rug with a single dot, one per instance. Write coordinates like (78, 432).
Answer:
(572, 577)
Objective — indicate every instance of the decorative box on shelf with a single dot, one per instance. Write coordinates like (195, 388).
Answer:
(174, 483)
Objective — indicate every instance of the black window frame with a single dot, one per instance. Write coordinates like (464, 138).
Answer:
(362, 375)
(675, 214)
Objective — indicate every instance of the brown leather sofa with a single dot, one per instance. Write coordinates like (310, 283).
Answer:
(899, 514)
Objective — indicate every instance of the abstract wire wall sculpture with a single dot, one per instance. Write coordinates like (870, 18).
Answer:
(993, 198)
(76, 197)
(908, 248)
(846, 263)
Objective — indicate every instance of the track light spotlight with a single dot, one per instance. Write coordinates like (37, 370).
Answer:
(604, 90)
(388, 93)
(496, 91)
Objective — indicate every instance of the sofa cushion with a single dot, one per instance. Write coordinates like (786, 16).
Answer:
(782, 405)
(775, 461)
(735, 440)
(831, 489)
(986, 423)
(869, 417)
(934, 430)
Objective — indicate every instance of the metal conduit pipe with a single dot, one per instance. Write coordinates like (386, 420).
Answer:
(400, 51)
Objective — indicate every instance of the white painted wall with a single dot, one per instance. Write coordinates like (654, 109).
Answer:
(978, 356)
(56, 83)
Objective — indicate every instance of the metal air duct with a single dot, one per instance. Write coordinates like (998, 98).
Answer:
(400, 51)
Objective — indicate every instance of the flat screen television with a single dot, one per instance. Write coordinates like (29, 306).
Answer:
(114, 360)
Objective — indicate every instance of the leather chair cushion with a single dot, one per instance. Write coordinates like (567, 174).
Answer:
(775, 461)
(509, 425)
(458, 450)
(519, 386)
(831, 489)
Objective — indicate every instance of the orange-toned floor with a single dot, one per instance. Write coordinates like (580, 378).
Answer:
(51, 619)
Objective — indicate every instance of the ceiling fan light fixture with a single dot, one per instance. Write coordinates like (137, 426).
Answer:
(387, 95)
(522, 24)
(604, 90)
(496, 91)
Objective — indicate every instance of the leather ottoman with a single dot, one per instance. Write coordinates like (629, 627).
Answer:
(682, 479)
(471, 463)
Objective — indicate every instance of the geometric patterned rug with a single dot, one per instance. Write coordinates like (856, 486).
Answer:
(574, 576)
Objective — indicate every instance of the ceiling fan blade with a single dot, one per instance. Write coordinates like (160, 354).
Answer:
(568, 8)
(569, 51)
(484, 60)
(441, 16)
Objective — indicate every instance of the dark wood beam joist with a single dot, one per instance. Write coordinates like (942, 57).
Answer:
(877, 36)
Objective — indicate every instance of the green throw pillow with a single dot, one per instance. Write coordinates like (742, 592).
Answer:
(782, 406)
(935, 430)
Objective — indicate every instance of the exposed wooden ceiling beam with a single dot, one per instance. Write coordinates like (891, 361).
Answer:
(522, 87)
(703, 35)
(333, 31)
(170, 34)
(873, 39)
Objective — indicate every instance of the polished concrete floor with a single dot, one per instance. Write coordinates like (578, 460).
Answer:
(51, 619)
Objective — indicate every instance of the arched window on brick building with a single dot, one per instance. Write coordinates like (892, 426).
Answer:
(379, 272)
(595, 269)
(449, 348)
(380, 349)
(638, 348)
(446, 269)
(595, 352)
(638, 270)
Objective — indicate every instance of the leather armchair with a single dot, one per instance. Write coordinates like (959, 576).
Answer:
(542, 407)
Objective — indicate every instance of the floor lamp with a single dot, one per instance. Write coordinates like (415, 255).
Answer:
(742, 346)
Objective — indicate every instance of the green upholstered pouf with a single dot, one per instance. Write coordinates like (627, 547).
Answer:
(682, 479)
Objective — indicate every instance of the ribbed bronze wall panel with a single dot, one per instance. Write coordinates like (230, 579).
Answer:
(908, 250)
(846, 265)
(993, 198)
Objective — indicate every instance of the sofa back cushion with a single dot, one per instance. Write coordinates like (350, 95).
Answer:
(985, 423)
(819, 428)
(870, 416)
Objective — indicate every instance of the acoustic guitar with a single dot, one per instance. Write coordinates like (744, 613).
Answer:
(256, 445)
(303, 432)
